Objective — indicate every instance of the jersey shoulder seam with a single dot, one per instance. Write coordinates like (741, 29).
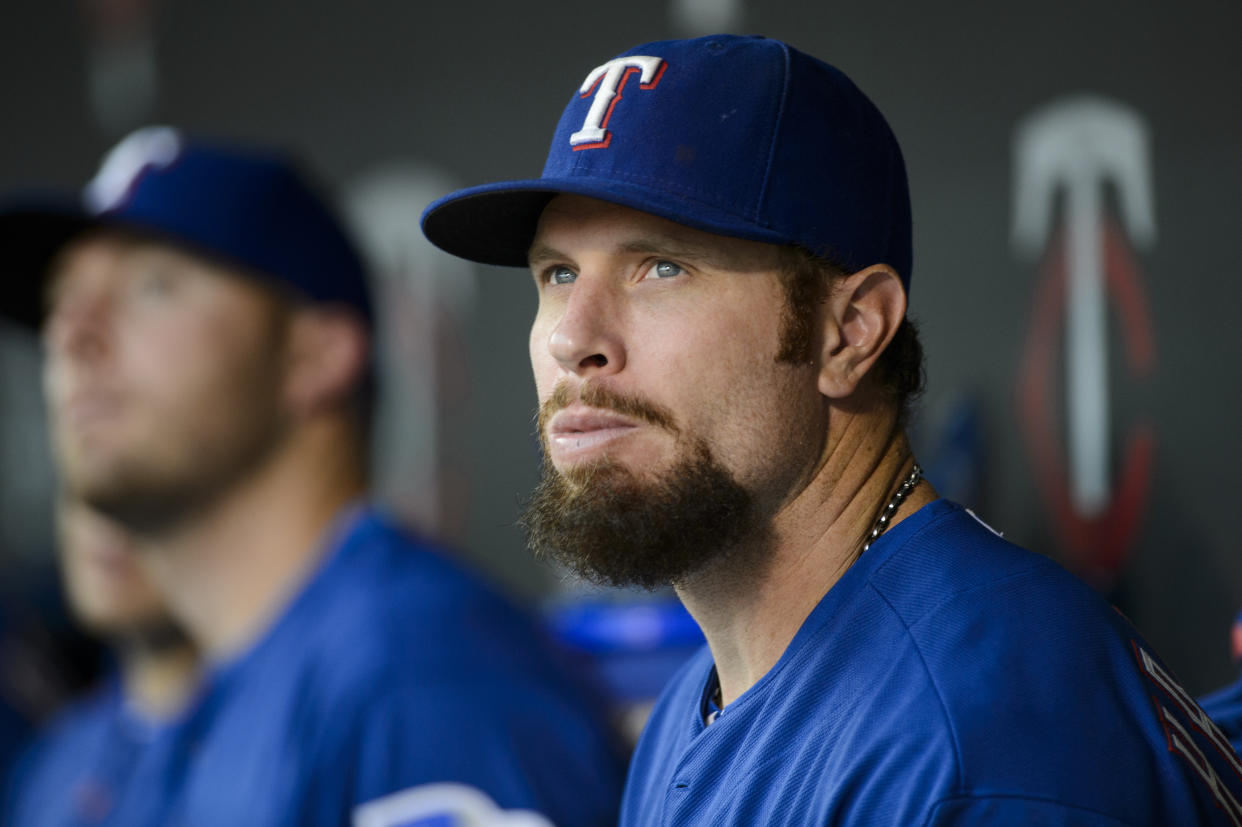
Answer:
(944, 710)
(1034, 565)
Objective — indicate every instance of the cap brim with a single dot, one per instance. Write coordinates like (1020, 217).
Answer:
(496, 223)
(30, 237)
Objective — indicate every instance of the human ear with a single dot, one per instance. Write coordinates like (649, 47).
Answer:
(860, 317)
(327, 353)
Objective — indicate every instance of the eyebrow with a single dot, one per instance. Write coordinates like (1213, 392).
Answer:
(540, 252)
(658, 244)
(649, 244)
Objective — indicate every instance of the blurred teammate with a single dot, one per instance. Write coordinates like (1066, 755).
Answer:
(721, 246)
(92, 765)
(208, 337)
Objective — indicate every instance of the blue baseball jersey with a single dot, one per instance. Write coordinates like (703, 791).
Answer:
(395, 668)
(100, 763)
(392, 669)
(948, 677)
(14, 732)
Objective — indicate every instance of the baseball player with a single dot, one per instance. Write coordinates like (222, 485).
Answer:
(89, 767)
(721, 246)
(207, 331)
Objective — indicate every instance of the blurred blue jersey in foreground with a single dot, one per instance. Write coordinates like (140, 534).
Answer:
(391, 669)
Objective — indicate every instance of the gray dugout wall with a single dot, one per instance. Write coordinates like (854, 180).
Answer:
(1074, 169)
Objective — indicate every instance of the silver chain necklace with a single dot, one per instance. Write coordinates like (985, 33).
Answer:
(886, 516)
(881, 525)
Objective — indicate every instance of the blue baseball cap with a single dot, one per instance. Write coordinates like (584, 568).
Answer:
(246, 208)
(739, 136)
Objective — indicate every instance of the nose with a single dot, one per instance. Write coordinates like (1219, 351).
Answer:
(587, 340)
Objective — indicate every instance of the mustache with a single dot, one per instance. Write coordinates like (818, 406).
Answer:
(604, 398)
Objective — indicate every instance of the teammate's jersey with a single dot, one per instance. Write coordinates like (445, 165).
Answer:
(391, 668)
(100, 763)
(14, 732)
(949, 677)
(394, 668)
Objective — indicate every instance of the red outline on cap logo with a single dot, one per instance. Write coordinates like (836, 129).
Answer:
(600, 75)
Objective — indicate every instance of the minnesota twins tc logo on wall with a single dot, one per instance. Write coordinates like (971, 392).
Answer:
(608, 81)
(1075, 152)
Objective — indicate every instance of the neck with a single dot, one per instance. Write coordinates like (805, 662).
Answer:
(158, 675)
(750, 617)
(227, 570)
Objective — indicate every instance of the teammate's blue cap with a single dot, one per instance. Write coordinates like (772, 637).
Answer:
(243, 207)
(739, 136)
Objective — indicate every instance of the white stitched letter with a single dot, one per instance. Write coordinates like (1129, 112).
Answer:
(611, 77)
(152, 146)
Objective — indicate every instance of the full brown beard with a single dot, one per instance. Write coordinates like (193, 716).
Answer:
(611, 527)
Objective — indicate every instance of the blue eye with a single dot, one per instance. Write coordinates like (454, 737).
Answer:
(667, 269)
(561, 275)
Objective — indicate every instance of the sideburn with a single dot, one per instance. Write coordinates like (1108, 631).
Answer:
(806, 281)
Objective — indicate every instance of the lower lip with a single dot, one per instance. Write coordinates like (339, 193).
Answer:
(580, 445)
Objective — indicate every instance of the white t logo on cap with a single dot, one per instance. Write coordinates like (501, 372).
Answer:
(151, 146)
(611, 77)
